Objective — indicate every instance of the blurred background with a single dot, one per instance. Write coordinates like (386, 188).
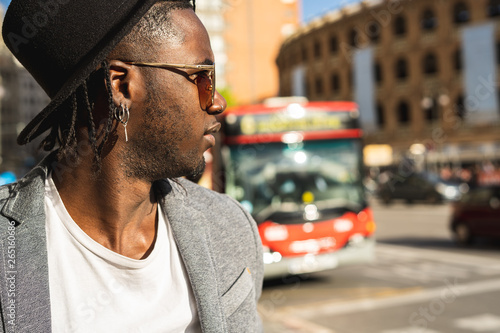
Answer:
(424, 74)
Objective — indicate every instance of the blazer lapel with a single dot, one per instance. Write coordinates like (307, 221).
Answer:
(188, 226)
(26, 300)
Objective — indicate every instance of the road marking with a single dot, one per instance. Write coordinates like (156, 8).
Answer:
(481, 323)
(492, 265)
(403, 264)
(421, 272)
(411, 330)
(291, 323)
(347, 307)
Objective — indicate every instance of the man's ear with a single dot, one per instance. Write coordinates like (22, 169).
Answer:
(123, 82)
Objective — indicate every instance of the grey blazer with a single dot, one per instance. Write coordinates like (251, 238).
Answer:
(217, 239)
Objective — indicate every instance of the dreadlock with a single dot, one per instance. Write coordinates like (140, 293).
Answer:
(152, 26)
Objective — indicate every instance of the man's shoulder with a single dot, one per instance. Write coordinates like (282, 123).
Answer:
(196, 192)
(209, 203)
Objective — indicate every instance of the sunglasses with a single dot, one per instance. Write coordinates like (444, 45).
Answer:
(205, 81)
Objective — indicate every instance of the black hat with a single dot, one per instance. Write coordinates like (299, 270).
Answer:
(61, 42)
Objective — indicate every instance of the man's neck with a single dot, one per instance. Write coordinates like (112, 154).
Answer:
(117, 212)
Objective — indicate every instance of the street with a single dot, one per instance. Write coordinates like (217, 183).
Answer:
(420, 281)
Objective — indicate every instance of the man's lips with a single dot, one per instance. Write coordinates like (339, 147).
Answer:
(209, 133)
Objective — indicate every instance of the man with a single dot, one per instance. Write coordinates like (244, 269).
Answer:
(103, 236)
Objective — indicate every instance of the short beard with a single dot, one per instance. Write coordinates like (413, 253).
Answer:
(197, 173)
(146, 157)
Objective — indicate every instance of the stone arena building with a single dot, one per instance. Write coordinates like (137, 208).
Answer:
(424, 73)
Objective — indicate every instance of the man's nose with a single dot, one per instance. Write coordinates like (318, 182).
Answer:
(219, 105)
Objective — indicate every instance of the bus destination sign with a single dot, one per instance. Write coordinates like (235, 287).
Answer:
(275, 123)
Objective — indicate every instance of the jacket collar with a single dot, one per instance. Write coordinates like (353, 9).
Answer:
(189, 228)
(26, 196)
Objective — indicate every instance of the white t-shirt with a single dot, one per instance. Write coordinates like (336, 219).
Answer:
(93, 289)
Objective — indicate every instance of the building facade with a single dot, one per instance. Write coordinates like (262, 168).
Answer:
(211, 13)
(21, 98)
(254, 32)
(424, 72)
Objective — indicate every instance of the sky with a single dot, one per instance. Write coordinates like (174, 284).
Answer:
(311, 8)
(315, 8)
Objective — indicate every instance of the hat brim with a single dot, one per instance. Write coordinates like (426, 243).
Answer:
(43, 120)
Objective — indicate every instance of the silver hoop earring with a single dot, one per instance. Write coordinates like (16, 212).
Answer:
(122, 114)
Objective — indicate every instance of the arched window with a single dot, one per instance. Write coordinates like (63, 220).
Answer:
(353, 37)
(380, 115)
(493, 8)
(461, 13)
(459, 107)
(378, 72)
(401, 69)
(403, 112)
(335, 83)
(334, 45)
(400, 26)
(429, 20)
(317, 50)
(430, 65)
(373, 30)
(457, 60)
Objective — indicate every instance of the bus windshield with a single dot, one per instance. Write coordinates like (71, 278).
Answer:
(278, 177)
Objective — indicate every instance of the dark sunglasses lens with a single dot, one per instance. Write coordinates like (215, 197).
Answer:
(204, 82)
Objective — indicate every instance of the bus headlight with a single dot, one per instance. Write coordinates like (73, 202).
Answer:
(271, 257)
(275, 233)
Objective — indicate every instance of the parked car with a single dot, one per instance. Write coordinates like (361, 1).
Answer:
(426, 187)
(477, 213)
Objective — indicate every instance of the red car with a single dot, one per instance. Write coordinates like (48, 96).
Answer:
(477, 213)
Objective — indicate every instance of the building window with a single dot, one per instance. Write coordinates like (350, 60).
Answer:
(429, 20)
(373, 31)
(403, 113)
(461, 13)
(401, 69)
(317, 50)
(353, 37)
(335, 82)
(304, 54)
(378, 72)
(460, 107)
(493, 8)
(457, 59)
(319, 86)
(430, 65)
(334, 45)
(400, 26)
(380, 115)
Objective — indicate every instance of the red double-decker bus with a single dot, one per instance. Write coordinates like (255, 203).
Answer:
(297, 168)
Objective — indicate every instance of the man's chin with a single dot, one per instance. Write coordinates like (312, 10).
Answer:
(196, 174)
